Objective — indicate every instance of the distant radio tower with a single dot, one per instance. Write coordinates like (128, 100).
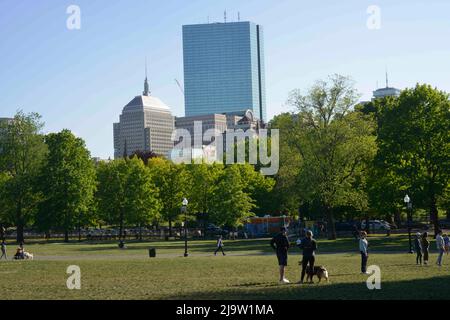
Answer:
(225, 16)
(239, 16)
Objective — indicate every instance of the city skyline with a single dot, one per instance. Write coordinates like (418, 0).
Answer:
(81, 79)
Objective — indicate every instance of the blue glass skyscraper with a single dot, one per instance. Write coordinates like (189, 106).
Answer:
(224, 68)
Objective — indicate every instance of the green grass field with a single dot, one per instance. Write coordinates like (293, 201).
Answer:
(249, 271)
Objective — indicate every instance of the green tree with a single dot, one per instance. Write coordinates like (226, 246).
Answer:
(414, 141)
(126, 193)
(335, 146)
(67, 182)
(203, 178)
(231, 205)
(173, 182)
(22, 154)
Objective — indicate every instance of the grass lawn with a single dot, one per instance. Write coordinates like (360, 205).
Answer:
(249, 271)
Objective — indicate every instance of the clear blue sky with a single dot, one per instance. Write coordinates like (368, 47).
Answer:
(81, 79)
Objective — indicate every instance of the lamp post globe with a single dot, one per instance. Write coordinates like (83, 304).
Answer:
(184, 209)
(408, 203)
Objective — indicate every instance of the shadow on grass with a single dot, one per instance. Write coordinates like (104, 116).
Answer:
(419, 289)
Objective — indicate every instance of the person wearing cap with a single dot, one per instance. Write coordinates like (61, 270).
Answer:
(280, 244)
(309, 246)
(363, 248)
(418, 246)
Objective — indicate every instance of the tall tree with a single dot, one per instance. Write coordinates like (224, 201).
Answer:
(231, 205)
(173, 182)
(414, 141)
(126, 193)
(335, 145)
(22, 154)
(68, 182)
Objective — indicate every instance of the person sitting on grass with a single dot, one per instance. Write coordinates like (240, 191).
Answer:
(418, 245)
(309, 246)
(363, 249)
(280, 244)
(446, 243)
(425, 247)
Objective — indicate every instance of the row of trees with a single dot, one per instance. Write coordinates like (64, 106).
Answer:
(336, 158)
(50, 182)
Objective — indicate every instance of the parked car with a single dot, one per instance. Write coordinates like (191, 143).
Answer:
(376, 225)
(444, 223)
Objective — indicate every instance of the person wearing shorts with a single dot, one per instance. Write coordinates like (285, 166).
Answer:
(280, 244)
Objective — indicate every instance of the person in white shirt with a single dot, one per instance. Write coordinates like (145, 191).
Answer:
(440, 246)
(219, 246)
(363, 248)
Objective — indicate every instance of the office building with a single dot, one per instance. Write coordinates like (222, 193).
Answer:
(224, 69)
(146, 124)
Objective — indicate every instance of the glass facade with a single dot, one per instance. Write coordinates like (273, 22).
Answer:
(224, 68)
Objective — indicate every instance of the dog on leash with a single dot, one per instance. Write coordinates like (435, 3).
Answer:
(319, 271)
(28, 256)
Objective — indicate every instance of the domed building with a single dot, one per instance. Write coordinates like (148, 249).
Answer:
(146, 124)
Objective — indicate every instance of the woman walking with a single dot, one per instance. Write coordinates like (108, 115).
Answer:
(309, 246)
(219, 246)
(363, 248)
(425, 247)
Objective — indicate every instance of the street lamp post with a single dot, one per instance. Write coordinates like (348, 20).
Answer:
(184, 209)
(408, 203)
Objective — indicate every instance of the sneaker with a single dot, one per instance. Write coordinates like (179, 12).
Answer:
(285, 281)
(364, 272)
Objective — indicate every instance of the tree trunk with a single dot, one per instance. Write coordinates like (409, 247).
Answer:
(66, 235)
(170, 227)
(448, 213)
(434, 214)
(397, 218)
(331, 227)
(121, 225)
(19, 236)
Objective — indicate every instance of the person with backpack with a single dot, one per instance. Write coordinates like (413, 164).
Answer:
(280, 244)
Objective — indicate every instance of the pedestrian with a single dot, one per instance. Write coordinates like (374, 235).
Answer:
(219, 246)
(440, 246)
(418, 245)
(446, 243)
(3, 247)
(309, 246)
(425, 247)
(280, 244)
(363, 249)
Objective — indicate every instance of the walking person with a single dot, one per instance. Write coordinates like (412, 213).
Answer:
(440, 246)
(309, 246)
(446, 243)
(3, 247)
(364, 250)
(280, 244)
(418, 246)
(425, 247)
(219, 246)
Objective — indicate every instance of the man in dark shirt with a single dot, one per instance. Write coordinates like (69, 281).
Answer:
(280, 244)
(309, 246)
